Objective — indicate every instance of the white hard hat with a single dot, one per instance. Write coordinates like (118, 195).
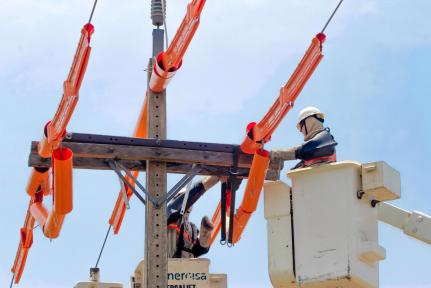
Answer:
(307, 112)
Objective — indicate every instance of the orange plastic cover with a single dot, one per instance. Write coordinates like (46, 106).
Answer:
(119, 211)
(167, 63)
(178, 47)
(262, 131)
(39, 180)
(24, 245)
(62, 159)
(53, 224)
(248, 205)
(53, 134)
(56, 129)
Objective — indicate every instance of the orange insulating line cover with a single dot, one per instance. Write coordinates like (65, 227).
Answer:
(26, 240)
(62, 159)
(39, 180)
(252, 192)
(44, 148)
(54, 132)
(160, 78)
(56, 129)
(255, 182)
(169, 62)
(262, 131)
(119, 211)
(40, 213)
(53, 224)
(250, 146)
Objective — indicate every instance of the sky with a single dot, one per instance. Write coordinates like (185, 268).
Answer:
(373, 85)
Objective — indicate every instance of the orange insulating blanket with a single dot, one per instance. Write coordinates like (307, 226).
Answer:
(258, 133)
(248, 205)
(38, 184)
(167, 63)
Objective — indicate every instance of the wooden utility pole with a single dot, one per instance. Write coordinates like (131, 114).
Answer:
(156, 258)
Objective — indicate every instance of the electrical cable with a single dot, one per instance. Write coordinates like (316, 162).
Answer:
(92, 11)
(332, 15)
(164, 23)
(103, 246)
(11, 282)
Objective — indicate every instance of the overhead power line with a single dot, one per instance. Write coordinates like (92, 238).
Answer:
(332, 15)
(92, 11)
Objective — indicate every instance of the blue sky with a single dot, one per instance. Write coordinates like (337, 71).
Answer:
(373, 85)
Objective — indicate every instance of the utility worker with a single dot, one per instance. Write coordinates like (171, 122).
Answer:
(319, 144)
(186, 241)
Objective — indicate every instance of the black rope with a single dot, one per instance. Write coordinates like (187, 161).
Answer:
(232, 211)
(223, 213)
(332, 15)
(92, 11)
(103, 246)
(232, 183)
(11, 282)
(36, 226)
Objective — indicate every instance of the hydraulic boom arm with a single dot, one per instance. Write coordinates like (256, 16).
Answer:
(415, 224)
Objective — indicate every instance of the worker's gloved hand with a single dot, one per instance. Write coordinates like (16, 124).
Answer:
(205, 233)
(285, 154)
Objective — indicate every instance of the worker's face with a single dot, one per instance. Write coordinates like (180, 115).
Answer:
(302, 128)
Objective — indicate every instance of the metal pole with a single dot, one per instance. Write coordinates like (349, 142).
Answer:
(156, 257)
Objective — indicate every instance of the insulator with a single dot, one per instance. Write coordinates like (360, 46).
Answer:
(158, 11)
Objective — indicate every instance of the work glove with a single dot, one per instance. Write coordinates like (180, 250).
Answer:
(284, 154)
(205, 232)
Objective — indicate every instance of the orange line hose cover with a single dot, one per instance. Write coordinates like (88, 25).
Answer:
(56, 129)
(40, 213)
(39, 179)
(252, 192)
(54, 132)
(62, 159)
(26, 241)
(167, 63)
(178, 47)
(53, 224)
(119, 211)
(248, 205)
(117, 215)
(262, 131)
(160, 78)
